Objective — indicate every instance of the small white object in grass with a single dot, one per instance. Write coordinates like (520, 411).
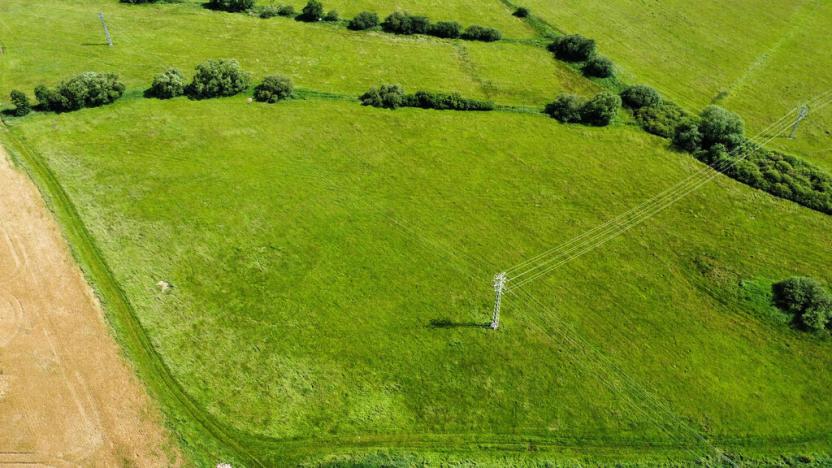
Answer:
(223, 465)
(164, 286)
(249, 100)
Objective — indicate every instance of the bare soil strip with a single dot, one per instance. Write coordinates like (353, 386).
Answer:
(67, 396)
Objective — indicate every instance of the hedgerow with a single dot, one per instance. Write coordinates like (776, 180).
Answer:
(445, 101)
(230, 5)
(404, 23)
(661, 119)
(445, 29)
(363, 20)
(598, 111)
(216, 78)
(481, 33)
(393, 96)
(89, 89)
(389, 96)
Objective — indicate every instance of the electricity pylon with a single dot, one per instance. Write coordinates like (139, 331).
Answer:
(499, 287)
(106, 31)
(804, 111)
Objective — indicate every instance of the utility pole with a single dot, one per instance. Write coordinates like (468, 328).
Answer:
(499, 287)
(804, 111)
(106, 31)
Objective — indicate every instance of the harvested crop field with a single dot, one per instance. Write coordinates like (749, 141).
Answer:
(67, 397)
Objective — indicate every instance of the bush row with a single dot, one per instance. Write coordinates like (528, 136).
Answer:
(577, 48)
(396, 23)
(214, 78)
(393, 96)
(599, 110)
(807, 300)
(89, 89)
(716, 138)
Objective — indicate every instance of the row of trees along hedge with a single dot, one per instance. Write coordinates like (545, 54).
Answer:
(576, 48)
(216, 78)
(599, 110)
(404, 23)
(393, 96)
(716, 138)
(807, 300)
(89, 89)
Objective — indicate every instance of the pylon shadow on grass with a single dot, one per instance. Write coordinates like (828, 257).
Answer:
(448, 323)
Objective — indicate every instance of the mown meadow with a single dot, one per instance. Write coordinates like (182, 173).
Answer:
(331, 264)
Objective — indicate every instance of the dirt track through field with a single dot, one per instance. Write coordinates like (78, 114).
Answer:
(67, 396)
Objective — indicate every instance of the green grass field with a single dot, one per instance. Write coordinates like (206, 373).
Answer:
(758, 58)
(313, 243)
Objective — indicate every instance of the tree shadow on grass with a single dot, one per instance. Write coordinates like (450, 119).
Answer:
(448, 323)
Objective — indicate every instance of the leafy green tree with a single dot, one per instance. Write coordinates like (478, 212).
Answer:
(167, 85)
(389, 96)
(601, 109)
(638, 96)
(522, 12)
(332, 16)
(273, 89)
(231, 5)
(687, 136)
(214, 78)
(446, 29)
(573, 48)
(719, 125)
(804, 297)
(363, 20)
(89, 89)
(286, 10)
(481, 33)
(312, 11)
(21, 103)
(566, 108)
(403, 23)
(599, 67)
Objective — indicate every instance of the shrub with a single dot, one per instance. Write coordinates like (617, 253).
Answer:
(387, 96)
(269, 11)
(719, 125)
(574, 48)
(363, 20)
(403, 23)
(480, 33)
(601, 109)
(687, 136)
(21, 103)
(89, 89)
(145, 1)
(273, 89)
(215, 78)
(312, 11)
(566, 108)
(638, 96)
(167, 84)
(446, 101)
(597, 66)
(447, 29)
(521, 12)
(661, 119)
(804, 297)
(286, 10)
(231, 5)
(331, 16)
